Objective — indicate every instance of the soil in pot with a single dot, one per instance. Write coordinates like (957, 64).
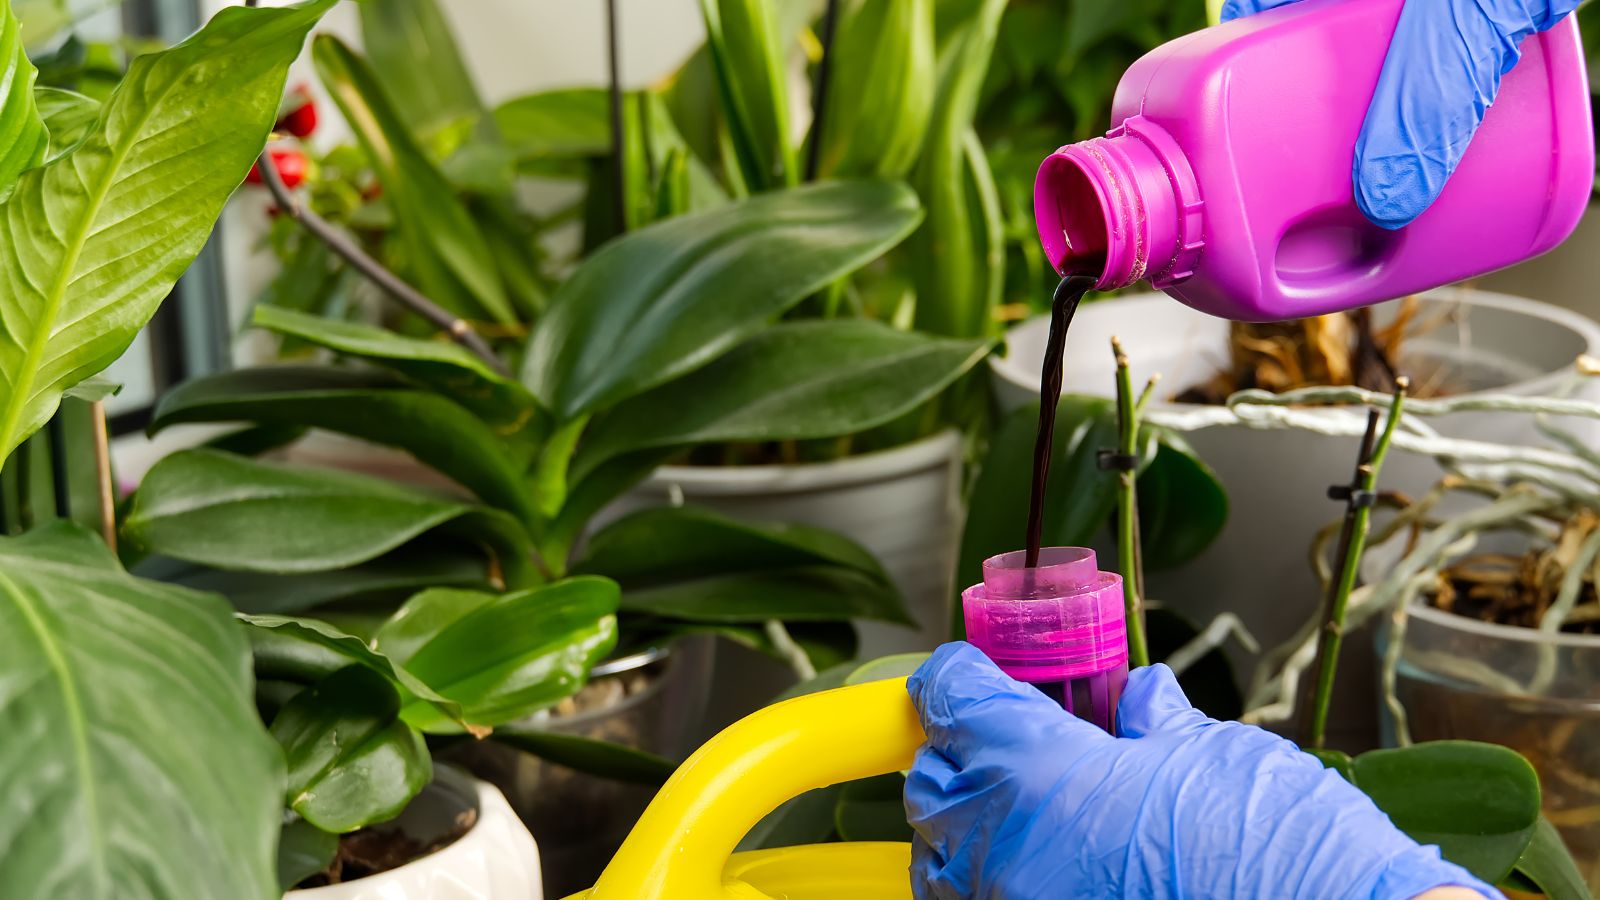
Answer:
(371, 851)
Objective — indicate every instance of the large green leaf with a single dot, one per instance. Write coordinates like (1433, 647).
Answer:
(416, 57)
(245, 515)
(67, 116)
(445, 366)
(366, 405)
(23, 138)
(586, 755)
(443, 245)
(135, 759)
(882, 97)
(793, 593)
(303, 851)
(1478, 802)
(96, 238)
(352, 761)
(665, 300)
(504, 657)
(1182, 504)
(1548, 866)
(561, 124)
(598, 488)
(826, 644)
(797, 380)
(748, 57)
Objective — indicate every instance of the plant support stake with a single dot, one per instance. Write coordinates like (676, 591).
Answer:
(1129, 555)
(1358, 497)
(819, 98)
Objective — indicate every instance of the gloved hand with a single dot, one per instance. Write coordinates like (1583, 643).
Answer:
(1013, 798)
(1443, 70)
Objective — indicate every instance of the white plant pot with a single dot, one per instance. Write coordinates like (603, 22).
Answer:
(1277, 480)
(495, 860)
(903, 505)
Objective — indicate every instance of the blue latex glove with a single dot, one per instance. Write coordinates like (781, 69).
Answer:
(1443, 70)
(1013, 798)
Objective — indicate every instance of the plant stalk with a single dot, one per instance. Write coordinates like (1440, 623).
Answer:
(819, 96)
(102, 470)
(1352, 543)
(1129, 553)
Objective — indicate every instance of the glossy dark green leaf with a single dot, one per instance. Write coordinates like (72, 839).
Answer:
(445, 366)
(873, 809)
(815, 593)
(587, 497)
(796, 380)
(443, 246)
(825, 680)
(899, 665)
(504, 657)
(1548, 866)
(308, 650)
(591, 757)
(1079, 496)
(1337, 760)
(747, 56)
(96, 238)
(67, 116)
(826, 644)
(256, 440)
(119, 690)
(415, 56)
(1182, 505)
(1478, 802)
(807, 819)
(303, 851)
(25, 137)
(668, 299)
(882, 99)
(352, 761)
(246, 515)
(365, 405)
(664, 544)
(566, 123)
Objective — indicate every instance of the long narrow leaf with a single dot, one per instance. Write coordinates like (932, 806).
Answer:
(415, 54)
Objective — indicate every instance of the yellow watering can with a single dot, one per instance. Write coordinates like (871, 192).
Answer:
(682, 847)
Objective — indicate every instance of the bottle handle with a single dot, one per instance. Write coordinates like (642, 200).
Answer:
(681, 844)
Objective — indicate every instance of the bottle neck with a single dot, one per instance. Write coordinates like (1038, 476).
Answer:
(1124, 207)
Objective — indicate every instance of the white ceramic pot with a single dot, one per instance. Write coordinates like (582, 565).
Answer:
(903, 505)
(495, 860)
(1277, 480)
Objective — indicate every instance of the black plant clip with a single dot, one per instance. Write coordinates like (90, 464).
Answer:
(1355, 497)
(1112, 461)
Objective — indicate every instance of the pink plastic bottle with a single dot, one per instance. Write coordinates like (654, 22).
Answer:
(1227, 179)
(1059, 626)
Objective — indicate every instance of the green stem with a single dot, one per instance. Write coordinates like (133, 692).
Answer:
(1128, 555)
(1358, 520)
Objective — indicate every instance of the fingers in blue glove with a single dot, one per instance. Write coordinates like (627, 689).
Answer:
(1153, 701)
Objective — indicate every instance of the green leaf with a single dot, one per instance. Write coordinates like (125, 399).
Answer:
(748, 59)
(826, 644)
(67, 116)
(899, 665)
(443, 245)
(796, 380)
(23, 138)
(307, 650)
(246, 515)
(1478, 802)
(956, 254)
(97, 237)
(1337, 760)
(504, 657)
(1549, 866)
(561, 124)
(794, 593)
(873, 809)
(550, 471)
(1182, 505)
(352, 761)
(93, 390)
(602, 759)
(129, 723)
(365, 405)
(881, 99)
(444, 366)
(667, 299)
(598, 488)
(416, 57)
(303, 851)
(807, 819)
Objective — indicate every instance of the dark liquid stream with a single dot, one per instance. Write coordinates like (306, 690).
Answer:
(1062, 307)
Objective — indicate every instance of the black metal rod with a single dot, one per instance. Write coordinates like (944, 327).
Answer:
(619, 172)
(819, 96)
(59, 477)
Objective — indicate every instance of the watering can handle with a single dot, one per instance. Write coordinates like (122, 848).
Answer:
(680, 845)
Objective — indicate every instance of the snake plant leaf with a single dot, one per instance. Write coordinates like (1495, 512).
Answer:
(587, 755)
(67, 116)
(240, 514)
(795, 380)
(748, 58)
(418, 61)
(351, 759)
(444, 247)
(445, 366)
(362, 404)
(665, 300)
(504, 657)
(23, 139)
(885, 73)
(96, 238)
(131, 739)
